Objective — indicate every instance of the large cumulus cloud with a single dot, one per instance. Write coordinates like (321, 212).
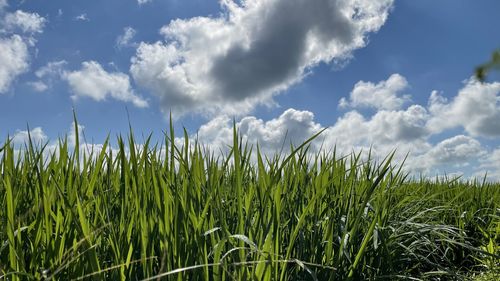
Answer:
(252, 51)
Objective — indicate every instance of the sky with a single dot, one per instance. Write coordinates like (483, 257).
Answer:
(376, 75)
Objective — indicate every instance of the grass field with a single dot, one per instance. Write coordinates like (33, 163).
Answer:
(161, 212)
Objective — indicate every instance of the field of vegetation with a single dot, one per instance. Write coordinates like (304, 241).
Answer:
(164, 212)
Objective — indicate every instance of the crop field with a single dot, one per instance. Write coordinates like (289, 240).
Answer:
(167, 212)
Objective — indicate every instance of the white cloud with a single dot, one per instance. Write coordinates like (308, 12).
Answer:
(15, 60)
(38, 137)
(292, 126)
(73, 133)
(253, 51)
(94, 82)
(38, 86)
(490, 165)
(47, 74)
(383, 95)
(456, 155)
(16, 37)
(51, 69)
(22, 137)
(450, 155)
(23, 21)
(125, 39)
(141, 2)
(407, 130)
(456, 150)
(382, 133)
(82, 17)
(476, 108)
(385, 131)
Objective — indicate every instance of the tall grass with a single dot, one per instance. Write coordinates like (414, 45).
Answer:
(183, 213)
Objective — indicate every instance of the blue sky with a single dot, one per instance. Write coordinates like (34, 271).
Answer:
(383, 74)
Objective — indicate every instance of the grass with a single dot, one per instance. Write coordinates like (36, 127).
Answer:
(163, 212)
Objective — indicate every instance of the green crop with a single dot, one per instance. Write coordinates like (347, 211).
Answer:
(164, 212)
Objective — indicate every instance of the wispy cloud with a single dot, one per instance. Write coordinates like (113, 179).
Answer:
(142, 2)
(82, 17)
(24, 22)
(38, 86)
(47, 75)
(125, 39)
